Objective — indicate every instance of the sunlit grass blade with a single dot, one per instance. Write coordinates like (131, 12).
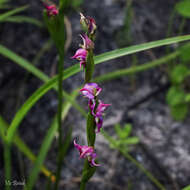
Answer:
(136, 69)
(41, 156)
(12, 12)
(7, 164)
(137, 48)
(22, 19)
(22, 147)
(62, 153)
(47, 143)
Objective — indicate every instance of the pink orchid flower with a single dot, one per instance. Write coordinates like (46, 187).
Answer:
(90, 90)
(51, 10)
(81, 55)
(87, 42)
(87, 152)
(98, 113)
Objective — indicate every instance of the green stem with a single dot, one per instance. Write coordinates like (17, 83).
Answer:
(170, 23)
(181, 26)
(90, 129)
(59, 119)
(7, 162)
(169, 30)
(127, 21)
(82, 186)
(89, 68)
(141, 167)
(88, 171)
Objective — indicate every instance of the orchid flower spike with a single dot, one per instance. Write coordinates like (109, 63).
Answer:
(91, 90)
(51, 10)
(81, 55)
(87, 152)
(87, 42)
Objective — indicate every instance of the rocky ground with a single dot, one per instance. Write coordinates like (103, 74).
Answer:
(164, 148)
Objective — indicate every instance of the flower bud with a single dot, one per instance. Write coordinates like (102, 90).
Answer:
(51, 10)
(88, 24)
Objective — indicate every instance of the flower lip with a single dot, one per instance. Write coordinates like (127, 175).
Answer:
(90, 90)
(98, 113)
(87, 152)
(84, 150)
(81, 55)
(101, 107)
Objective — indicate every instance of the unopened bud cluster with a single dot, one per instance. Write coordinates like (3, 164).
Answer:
(89, 26)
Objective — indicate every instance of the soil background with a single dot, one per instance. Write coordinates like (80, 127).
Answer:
(164, 147)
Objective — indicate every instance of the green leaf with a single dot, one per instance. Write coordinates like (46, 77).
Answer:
(63, 5)
(41, 156)
(123, 133)
(43, 153)
(179, 112)
(56, 28)
(130, 140)
(22, 19)
(12, 12)
(179, 73)
(136, 69)
(185, 53)
(187, 98)
(119, 131)
(183, 8)
(127, 129)
(47, 143)
(186, 188)
(76, 3)
(36, 72)
(22, 146)
(137, 48)
(175, 96)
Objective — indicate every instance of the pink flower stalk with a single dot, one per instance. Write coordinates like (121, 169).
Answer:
(81, 55)
(87, 152)
(51, 10)
(90, 90)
